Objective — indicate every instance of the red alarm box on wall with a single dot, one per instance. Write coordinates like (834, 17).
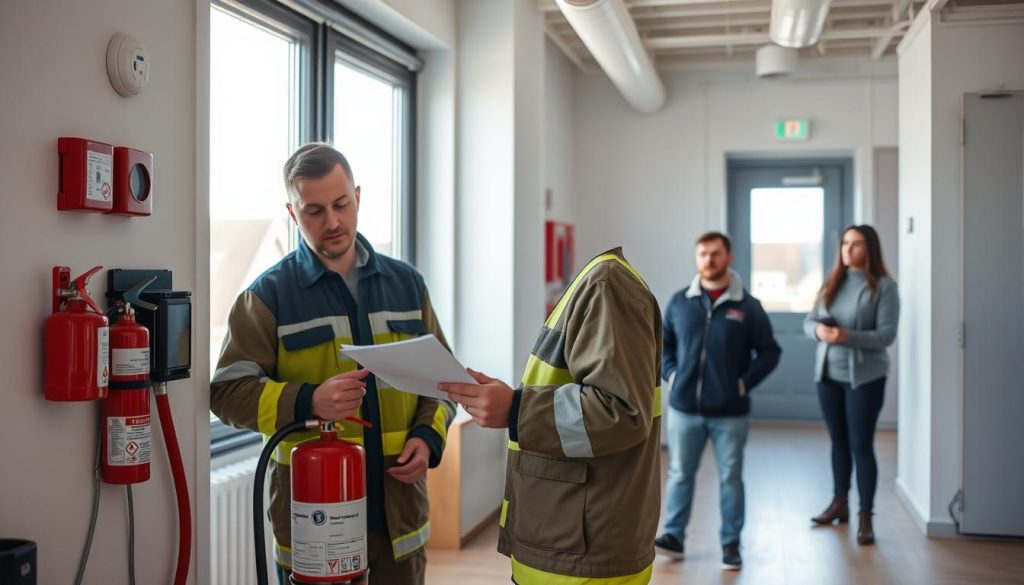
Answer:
(133, 182)
(86, 175)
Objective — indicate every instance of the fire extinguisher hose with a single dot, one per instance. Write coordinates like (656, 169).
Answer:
(257, 495)
(163, 407)
(94, 515)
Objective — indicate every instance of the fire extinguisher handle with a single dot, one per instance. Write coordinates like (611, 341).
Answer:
(131, 296)
(80, 286)
(359, 421)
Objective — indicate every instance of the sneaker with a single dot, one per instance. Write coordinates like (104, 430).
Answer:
(731, 559)
(669, 546)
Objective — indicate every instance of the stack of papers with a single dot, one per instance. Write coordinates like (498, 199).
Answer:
(414, 365)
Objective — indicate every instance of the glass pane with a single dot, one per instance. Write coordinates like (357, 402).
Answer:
(786, 230)
(253, 127)
(366, 112)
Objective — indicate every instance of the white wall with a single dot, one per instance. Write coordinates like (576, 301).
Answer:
(559, 147)
(435, 209)
(956, 59)
(528, 242)
(654, 183)
(485, 188)
(423, 24)
(53, 83)
(915, 130)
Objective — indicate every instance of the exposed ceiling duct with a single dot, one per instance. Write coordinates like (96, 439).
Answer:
(797, 23)
(608, 31)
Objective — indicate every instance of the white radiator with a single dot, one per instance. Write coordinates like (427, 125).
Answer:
(232, 559)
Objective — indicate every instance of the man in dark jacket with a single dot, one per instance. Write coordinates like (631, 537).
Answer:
(718, 345)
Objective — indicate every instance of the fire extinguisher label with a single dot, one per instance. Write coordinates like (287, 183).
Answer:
(130, 362)
(329, 539)
(128, 439)
(102, 356)
(101, 176)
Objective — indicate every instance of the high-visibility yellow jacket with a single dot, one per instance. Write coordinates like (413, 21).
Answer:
(284, 334)
(582, 495)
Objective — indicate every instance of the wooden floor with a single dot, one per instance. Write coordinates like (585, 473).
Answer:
(788, 480)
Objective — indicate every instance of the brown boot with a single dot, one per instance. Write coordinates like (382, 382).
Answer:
(839, 509)
(865, 532)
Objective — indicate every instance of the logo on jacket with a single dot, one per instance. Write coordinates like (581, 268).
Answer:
(735, 315)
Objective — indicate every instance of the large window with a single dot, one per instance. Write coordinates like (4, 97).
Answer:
(255, 91)
(372, 124)
(278, 79)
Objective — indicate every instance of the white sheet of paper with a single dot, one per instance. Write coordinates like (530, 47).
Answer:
(415, 365)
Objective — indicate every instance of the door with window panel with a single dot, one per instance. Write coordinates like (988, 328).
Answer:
(785, 218)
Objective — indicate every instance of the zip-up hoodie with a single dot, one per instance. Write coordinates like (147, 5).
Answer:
(710, 347)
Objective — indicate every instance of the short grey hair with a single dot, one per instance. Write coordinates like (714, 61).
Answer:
(313, 161)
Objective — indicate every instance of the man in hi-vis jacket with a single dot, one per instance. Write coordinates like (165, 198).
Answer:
(582, 483)
(280, 364)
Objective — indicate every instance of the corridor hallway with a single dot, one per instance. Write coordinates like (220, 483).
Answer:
(787, 481)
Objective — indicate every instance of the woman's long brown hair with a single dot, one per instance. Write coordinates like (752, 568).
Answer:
(873, 270)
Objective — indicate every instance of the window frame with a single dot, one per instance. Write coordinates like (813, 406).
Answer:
(345, 47)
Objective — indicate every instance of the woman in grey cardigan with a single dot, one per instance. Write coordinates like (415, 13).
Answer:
(854, 320)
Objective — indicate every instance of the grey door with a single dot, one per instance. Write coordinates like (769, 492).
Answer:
(993, 394)
(785, 218)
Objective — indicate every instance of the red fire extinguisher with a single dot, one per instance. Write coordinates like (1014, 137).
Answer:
(328, 508)
(125, 432)
(77, 341)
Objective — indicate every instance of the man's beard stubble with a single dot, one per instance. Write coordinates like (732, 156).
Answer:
(331, 255)
(716, 275)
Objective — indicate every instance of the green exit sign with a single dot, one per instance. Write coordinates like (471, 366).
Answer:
(793, 129)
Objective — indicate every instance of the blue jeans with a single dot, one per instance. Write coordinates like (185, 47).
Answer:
(687, 435)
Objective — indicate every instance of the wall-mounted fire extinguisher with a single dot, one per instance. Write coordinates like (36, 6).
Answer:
(328, 508)
(125, 428)
(77, 341)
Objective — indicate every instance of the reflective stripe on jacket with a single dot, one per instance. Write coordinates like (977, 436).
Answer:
(582, 495)
(283, 340)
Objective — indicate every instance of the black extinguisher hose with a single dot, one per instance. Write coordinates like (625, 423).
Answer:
(257, 492)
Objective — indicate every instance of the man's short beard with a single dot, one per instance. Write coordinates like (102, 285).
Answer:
(717, 275)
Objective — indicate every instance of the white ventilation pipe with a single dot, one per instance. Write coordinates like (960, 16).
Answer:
(610, 35)
(775, 61)
(797, 23)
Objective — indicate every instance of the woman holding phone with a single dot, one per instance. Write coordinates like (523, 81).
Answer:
(854, 321)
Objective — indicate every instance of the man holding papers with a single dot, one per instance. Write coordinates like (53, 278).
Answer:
(280, 363)
(582, 481)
